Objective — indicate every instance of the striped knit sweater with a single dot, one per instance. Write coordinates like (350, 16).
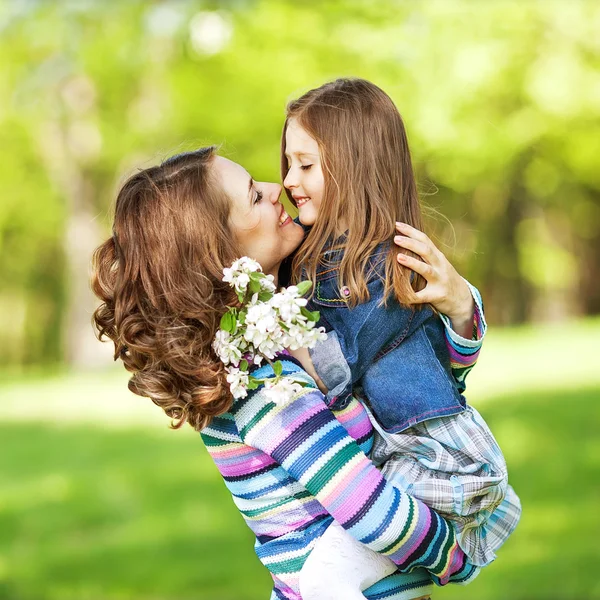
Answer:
(463, 352)
(293, 468)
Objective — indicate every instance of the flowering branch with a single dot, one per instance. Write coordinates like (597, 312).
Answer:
(266, 323)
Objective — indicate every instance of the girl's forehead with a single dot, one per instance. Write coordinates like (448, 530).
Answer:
(298, 140)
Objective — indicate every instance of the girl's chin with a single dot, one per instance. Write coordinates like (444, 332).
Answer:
(307, 215)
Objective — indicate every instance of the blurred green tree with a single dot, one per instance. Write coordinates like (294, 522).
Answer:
(501, 101)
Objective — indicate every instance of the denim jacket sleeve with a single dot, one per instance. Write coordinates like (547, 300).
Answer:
(336, 361)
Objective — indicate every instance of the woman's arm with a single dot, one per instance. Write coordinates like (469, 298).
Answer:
(464, 351)
(316, 450)
(458, 302)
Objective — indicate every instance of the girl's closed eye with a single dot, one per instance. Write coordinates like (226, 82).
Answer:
(305, 167)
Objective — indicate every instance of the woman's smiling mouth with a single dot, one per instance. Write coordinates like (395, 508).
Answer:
(284, 219)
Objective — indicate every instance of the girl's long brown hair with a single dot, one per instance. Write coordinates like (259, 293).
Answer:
(369, 182)
(159, 279)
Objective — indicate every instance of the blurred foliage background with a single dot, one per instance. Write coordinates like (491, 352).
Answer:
(502, 103)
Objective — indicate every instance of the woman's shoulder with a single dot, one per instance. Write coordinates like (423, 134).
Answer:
(289, 364)
(289, 369)
(258, 403)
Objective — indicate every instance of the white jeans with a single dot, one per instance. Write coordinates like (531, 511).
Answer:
(340, 567)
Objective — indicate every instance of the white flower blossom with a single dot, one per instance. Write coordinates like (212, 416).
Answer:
(238, 275)
(238, 382)
(261, 324)
(268, 283)
(269, 327)
(289, 304)
(246, 265)
(228, 352)
(281, 390)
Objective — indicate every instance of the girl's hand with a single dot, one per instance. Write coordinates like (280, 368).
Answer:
(445, 290)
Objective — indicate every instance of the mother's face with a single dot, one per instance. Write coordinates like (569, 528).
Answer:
(264, 231)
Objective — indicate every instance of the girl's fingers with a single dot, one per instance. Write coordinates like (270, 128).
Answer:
(416, 265)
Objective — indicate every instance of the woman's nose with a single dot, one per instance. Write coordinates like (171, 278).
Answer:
(275, 192)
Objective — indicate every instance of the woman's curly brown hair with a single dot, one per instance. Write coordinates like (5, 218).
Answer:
(159, 280)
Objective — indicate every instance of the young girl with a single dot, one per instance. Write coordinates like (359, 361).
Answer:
(346, 165)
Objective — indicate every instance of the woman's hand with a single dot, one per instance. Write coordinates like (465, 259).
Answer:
(445, 290)
(303, 356)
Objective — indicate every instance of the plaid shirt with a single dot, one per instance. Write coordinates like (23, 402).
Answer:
(455, 466)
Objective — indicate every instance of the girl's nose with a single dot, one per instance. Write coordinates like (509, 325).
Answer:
(290, 182)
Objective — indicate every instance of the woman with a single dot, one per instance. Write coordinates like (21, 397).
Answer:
(291, 469)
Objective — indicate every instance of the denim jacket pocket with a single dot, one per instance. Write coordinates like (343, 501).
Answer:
(327, 292)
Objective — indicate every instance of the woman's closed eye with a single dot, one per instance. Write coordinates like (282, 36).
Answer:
(258, 197)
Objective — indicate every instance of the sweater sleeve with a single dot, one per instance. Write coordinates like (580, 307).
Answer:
(305, 438)
(465, 352)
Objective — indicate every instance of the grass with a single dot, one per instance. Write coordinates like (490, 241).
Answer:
(90, 514)
(99, 503)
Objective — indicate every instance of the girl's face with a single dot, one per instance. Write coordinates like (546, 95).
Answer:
(304, 178)
(264, 231)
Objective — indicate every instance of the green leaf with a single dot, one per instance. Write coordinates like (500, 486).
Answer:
(243, 365)
(265, 296)
(228, 322)
(253, 383)
(254, 286)
(304, 286)
(242, 317)
(256, 276)
(313, 315)
(278, 368)
(303, 383)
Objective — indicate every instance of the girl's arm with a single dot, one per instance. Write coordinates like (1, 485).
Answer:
(316, 450)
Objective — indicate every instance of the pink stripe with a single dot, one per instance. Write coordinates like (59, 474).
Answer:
(356, 422)
(247, 467)
(461, 359)
(365, 482)
(230, 450)
(356, 409)
(451, 567)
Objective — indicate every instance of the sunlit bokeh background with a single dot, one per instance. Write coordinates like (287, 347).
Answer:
(98, 499)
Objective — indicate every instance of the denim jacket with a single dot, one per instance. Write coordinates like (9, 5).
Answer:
(398, 355)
